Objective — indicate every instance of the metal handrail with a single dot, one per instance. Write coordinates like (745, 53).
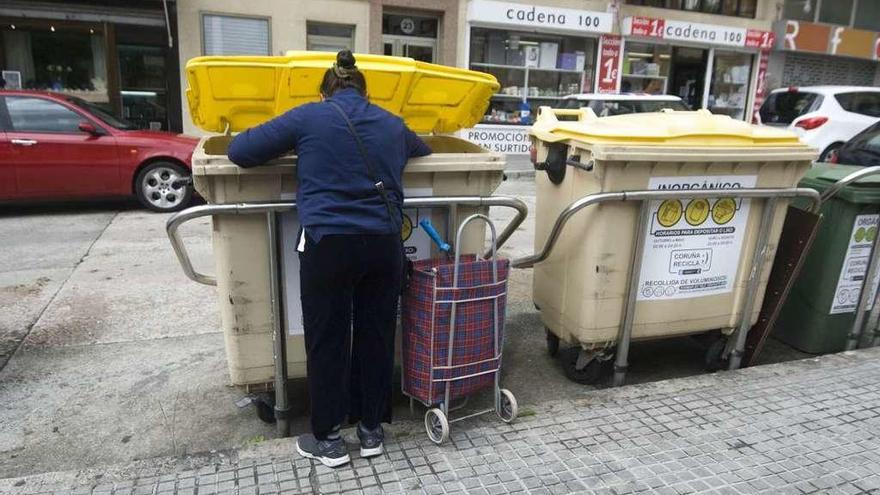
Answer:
(648, 195)
(178, 219)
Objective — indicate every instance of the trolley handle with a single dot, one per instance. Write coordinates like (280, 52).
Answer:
(476, 216)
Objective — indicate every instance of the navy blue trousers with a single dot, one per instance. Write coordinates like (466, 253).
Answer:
(349, 291)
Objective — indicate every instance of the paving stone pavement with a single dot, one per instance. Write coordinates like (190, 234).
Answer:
(810, 426)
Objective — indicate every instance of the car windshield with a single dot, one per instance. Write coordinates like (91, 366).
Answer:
(102, 114)
(782, 108)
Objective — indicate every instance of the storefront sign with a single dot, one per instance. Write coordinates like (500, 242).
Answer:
(818, 38)
(761, 83)
(510, 139)
(855, 267)
(609, 64)
(697, 32)
(539, 16)
(693, 247)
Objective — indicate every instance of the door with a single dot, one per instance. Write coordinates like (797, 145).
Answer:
(421, 49)
(688, 75)
(7, 171)
(52, 157)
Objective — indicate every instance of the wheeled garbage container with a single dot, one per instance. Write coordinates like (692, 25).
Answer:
(696, 252)
(228, 94)
(821, 307)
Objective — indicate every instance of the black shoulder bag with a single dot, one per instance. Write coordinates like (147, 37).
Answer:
(379, 185)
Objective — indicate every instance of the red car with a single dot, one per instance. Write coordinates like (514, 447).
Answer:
(54, 146)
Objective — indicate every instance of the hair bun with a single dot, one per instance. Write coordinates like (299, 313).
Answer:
(345, 59)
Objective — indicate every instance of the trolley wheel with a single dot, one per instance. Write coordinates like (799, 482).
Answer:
(265, 404)
(552, 343)
(715, 359)
(590, 374)
(507, 408)
(436, 425)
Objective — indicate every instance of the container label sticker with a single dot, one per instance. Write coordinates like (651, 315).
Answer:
(693, 246)
(855, 267)
(416, 243)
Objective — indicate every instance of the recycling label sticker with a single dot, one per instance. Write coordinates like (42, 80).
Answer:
(693, 246)
(855, 267)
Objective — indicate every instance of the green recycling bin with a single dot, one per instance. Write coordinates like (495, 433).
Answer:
(819, 312)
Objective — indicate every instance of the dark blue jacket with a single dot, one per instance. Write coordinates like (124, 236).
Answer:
(336, 194)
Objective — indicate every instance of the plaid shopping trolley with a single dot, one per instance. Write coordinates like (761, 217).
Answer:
(453, 320)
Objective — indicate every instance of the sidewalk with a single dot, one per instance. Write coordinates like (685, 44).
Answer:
(810, 426)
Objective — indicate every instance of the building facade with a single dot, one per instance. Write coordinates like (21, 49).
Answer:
(826, 42)
(121, 57)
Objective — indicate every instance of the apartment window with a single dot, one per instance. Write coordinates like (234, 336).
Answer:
(327, 37)
(235, 35)
(800, 10)
(736, 8)
(868, 15)
(836, 12)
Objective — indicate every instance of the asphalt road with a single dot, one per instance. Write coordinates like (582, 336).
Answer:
(109, 354)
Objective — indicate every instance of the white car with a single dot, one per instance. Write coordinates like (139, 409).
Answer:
(825, 117)
(614, 104)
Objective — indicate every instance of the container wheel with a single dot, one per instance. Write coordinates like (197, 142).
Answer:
(507, 408)
(265, 404)
(552, 343)
(589, 374)
(715, 359)
(436, 425)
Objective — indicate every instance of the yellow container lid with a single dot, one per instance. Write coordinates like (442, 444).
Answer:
(236, 93)
(666, 128)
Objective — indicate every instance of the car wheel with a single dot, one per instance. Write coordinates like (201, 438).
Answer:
(160, 187)
(828, 151)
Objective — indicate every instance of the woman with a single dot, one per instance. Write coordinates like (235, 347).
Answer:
(350, 251)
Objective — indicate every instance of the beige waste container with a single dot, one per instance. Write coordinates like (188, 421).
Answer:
(696, 253)
(239, 92)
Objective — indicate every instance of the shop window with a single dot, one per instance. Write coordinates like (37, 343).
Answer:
(799, 10)
(234, 35)
(534, 70)
(862, 102)
(326, 37)
(40, 115)
(731, 77)
(646, 68)
(62, 59)
(868, 15)
(142, 79)
(836, 12)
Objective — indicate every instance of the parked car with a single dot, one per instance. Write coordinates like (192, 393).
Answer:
(619, 104)
(54, 146)
(824, 116)
(864, 149)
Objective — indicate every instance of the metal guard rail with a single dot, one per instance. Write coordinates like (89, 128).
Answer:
(650, 195)
(178, 219)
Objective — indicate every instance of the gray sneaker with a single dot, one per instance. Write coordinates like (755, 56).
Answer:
(372, 441)
(331, 453)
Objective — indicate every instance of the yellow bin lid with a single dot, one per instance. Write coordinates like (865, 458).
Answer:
(667, 128)
(241, 92)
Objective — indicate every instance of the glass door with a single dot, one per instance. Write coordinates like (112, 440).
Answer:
(729, 91)
(421, 49)
(143, 88)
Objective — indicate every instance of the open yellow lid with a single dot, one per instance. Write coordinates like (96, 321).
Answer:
(669, 128)
(236, 93)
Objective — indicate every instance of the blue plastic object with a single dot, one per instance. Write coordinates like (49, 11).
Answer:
(434, 235)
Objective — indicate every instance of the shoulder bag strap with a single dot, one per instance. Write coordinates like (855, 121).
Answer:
(377, 183)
